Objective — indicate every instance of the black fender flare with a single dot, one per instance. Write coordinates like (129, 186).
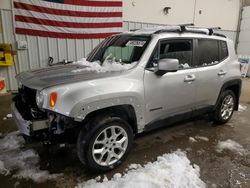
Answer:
(230, 84)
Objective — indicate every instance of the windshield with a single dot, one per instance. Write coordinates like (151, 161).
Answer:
(124, 49)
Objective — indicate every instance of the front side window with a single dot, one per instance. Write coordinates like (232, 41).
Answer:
(176, 49)
(208, 52)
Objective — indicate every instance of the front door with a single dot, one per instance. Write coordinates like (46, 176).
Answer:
(174, 92)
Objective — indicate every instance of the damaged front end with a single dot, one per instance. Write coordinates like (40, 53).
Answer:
(37, 124)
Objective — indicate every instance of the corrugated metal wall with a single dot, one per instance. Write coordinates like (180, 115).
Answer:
(7, 36)
(244, 37)
(40, 48)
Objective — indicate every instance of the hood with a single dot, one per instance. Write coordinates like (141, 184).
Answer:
(61, 74)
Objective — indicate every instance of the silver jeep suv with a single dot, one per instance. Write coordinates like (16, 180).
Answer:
(130, 83)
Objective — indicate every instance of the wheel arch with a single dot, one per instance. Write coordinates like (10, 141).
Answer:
(234, 86)
(126, 112)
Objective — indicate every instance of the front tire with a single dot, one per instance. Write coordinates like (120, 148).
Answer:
(225, 107)
(106, 144)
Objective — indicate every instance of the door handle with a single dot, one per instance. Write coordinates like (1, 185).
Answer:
(189, 78)
(222, 73)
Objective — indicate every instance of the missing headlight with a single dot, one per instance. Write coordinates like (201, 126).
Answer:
(39, 98)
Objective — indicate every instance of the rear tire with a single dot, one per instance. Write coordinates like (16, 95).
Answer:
(225, 107)
(105, 144)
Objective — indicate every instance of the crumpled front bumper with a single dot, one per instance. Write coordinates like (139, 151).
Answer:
(27, 127)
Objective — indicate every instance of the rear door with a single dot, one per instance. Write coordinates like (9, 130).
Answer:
(211, 59)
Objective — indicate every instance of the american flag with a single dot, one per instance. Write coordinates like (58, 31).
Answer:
(79, 19)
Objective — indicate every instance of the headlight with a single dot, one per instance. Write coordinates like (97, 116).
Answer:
(39, 98)
(20, 86)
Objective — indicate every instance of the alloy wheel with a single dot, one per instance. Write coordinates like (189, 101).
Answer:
(227, 107)
(110, 145)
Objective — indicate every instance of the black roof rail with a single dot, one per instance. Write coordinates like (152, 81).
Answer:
(217, 34)
(211, 30)
(183, 28)
(198, 32)
(166, 30)
(220, 35)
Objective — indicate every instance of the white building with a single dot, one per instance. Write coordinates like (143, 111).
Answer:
(207, 13)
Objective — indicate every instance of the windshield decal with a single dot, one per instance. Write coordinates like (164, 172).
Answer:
(136, 43)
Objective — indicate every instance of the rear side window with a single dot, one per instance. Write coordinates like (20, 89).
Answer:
(223, 50)
(208, 52)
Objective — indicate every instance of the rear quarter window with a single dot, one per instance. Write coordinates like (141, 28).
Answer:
(223, 50)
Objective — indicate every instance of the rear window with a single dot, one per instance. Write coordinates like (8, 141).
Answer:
(208, 52)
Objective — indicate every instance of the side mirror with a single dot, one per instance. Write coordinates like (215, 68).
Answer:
(166, 65)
